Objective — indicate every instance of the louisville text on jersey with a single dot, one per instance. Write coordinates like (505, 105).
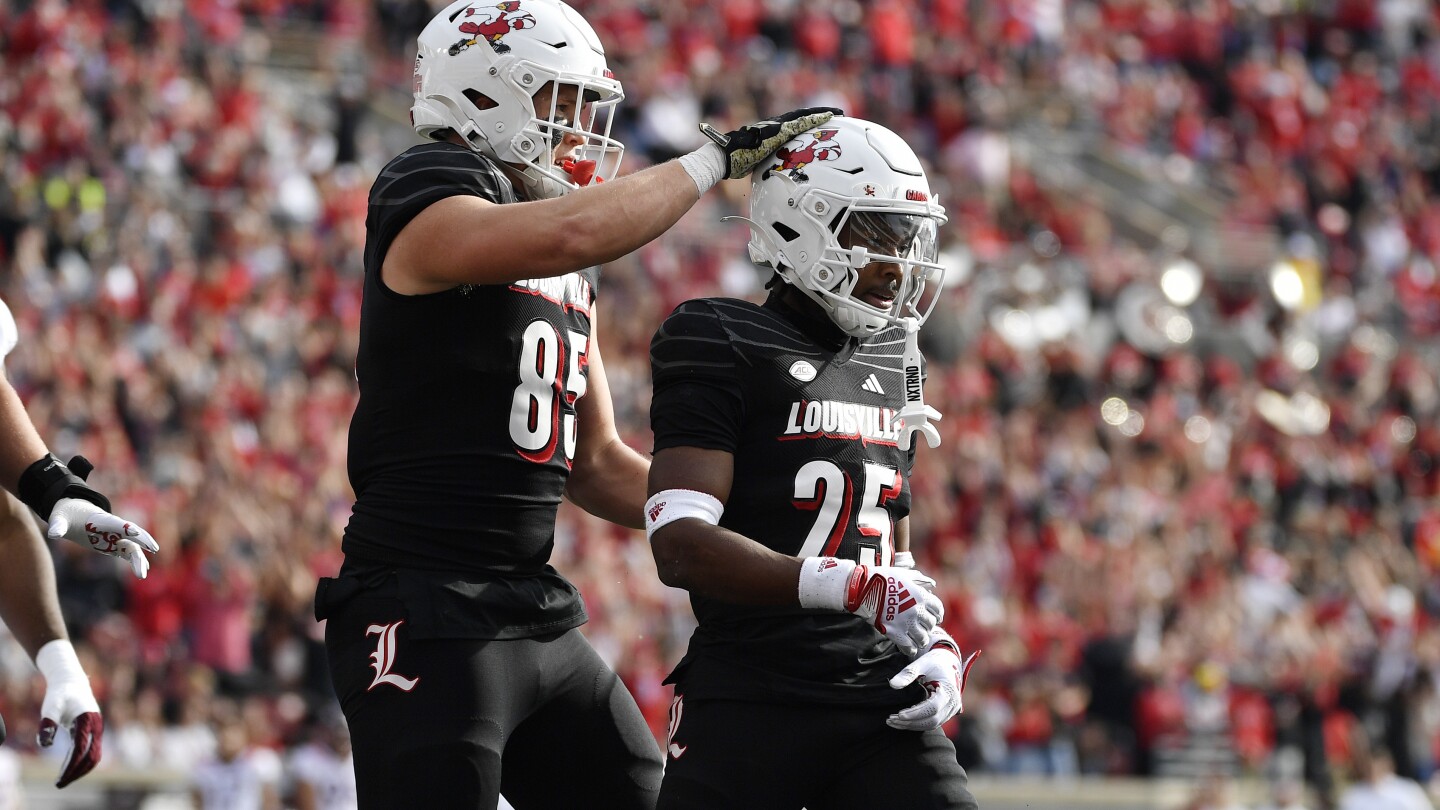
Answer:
(571, 291)
(840, 420)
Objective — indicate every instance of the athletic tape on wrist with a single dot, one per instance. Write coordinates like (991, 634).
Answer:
(824, 582)
(904, 559)
(706, 166)
(58, 663)
(670, 505)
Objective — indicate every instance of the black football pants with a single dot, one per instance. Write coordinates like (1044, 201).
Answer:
(453, 723)
(725, 755)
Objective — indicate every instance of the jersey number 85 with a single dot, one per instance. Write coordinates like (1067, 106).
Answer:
(536, 418)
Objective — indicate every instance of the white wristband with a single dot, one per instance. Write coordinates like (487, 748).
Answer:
(904, 559)
(824, 581)
(670, 505)
(58, 663)
(706, 166)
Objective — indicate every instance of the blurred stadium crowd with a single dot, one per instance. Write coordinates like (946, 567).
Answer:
(1219, 523)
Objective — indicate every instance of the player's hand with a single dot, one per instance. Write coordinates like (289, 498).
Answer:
(899, 602)
(943, 674)
(747, 146)
(69, 703)
(83, 522)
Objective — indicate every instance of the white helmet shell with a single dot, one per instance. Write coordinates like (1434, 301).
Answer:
(506, 52)
(847, 172)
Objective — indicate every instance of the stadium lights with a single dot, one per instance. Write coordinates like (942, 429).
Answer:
(1286, 285)
(1114, 411)
(1402, 430)
(1118, 414)
(1302, 352)
(1197, 429)
(1181, 282)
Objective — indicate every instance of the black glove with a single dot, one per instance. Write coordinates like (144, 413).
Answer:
(747, 146)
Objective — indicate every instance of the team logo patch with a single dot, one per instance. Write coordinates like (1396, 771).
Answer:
(819, 145)
(384, 658)
(802, 371)
(486, 25)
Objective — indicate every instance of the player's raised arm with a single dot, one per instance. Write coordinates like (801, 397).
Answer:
(547, 131)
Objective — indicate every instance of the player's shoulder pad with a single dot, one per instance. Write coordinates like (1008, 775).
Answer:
(429, 165)
(697, 331)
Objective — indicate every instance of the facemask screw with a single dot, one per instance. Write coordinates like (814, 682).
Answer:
(494, 72)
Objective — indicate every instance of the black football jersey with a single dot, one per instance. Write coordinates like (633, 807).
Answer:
(462, 439)
(807, 416)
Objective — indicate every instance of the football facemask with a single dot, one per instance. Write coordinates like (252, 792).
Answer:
(833, 201)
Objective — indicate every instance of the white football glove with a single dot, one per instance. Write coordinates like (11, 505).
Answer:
(82, 522)
(899, 602)
(69, 703)
(942, 672)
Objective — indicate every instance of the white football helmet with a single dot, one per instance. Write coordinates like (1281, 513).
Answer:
(497, 56)
(848, 177)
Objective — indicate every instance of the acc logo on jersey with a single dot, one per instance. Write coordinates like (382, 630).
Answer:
(819, 145)
(802, 371)
(491, 27)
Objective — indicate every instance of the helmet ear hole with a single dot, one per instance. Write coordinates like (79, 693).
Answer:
(480, 100)
(785, 232)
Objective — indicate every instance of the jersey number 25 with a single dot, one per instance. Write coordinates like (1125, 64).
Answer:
(823, 487)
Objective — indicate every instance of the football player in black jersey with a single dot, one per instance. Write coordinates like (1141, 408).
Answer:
(452, 642)
(780, 495)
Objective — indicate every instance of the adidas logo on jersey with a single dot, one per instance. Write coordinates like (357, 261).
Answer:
(840, 420)
(872, 385)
